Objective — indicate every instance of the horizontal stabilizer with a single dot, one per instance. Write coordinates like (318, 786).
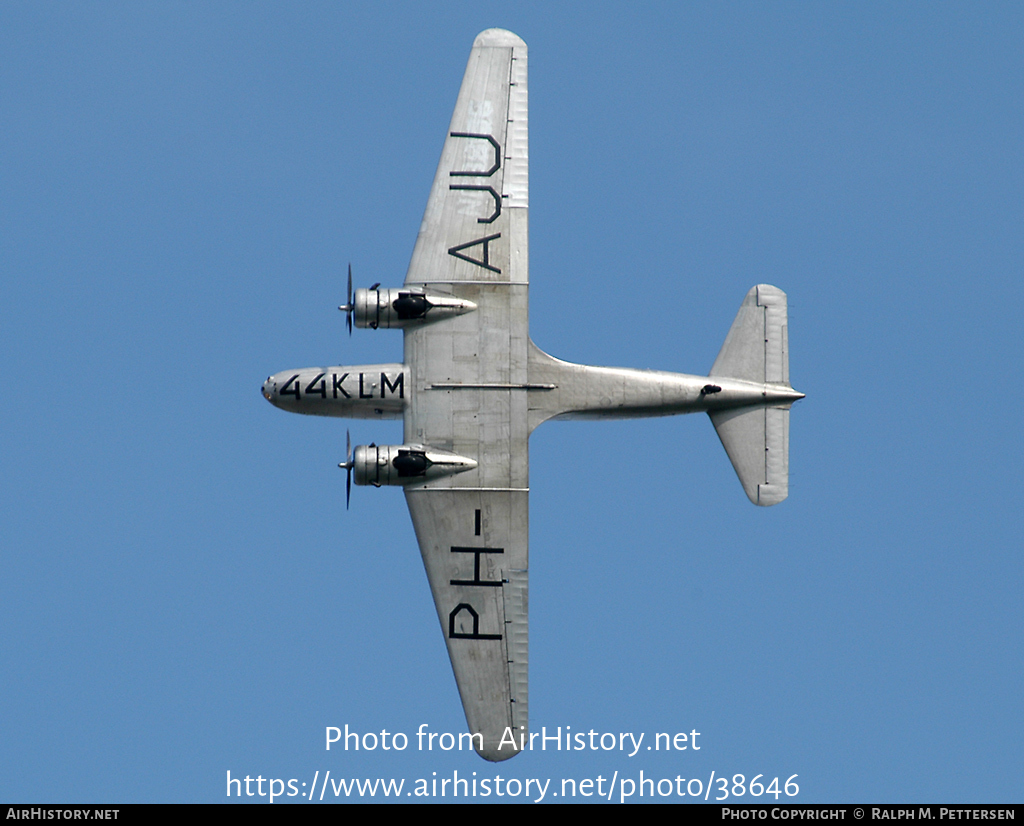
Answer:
(757, 441)
(757, 438)
(757, 348)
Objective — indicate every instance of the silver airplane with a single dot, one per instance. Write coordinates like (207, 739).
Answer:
(473, 387)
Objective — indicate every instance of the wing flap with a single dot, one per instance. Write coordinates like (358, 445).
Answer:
(464, 395)
(473, 545)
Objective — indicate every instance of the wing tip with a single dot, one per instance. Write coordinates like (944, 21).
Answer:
(498, 37)
(497, 755)
(768, 495)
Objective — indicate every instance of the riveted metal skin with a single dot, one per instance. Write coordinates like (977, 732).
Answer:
(472, 386)
(405, 465)
(404, 307)
(365, 391)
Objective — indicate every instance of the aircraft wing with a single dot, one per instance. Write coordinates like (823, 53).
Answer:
(468, 388)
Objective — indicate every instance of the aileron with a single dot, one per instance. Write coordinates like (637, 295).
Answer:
(473, 386)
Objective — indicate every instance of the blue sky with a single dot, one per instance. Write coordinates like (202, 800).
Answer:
(182, 593)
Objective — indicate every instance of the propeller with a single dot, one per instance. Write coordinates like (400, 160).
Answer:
(348, 464)
(348, 308)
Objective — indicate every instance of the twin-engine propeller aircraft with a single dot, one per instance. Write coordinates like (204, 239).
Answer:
(473, 387)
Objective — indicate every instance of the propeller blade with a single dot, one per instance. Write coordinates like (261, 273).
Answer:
(349, 302)
(348, 464)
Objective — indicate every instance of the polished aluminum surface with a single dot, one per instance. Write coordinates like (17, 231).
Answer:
(474, 386)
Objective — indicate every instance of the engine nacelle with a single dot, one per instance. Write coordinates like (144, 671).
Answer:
(405, 464)
(399, 308)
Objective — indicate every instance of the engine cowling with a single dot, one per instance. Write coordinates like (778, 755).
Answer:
(405, 464)
(400, 308)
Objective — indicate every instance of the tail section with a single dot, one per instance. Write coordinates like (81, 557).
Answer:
(757, 437)
(757, 441)
(757, 347)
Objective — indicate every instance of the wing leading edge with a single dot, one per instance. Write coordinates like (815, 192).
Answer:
(473, 386)
(467, 392)
(474, 547)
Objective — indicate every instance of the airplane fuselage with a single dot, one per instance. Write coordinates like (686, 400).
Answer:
(472, 387)
(369, 391)
(556, 389)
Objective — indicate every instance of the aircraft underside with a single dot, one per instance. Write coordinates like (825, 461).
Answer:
(472, 387)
